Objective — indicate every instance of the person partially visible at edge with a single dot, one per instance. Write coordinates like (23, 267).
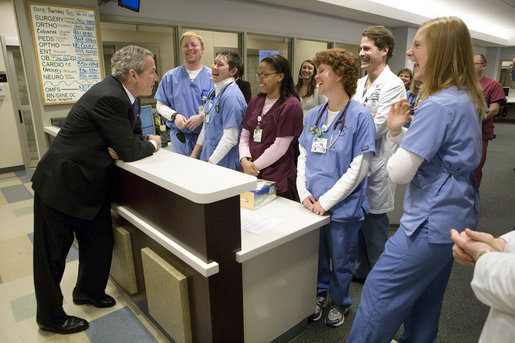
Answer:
(437, 158)
(74, 184)
(182, 94)
(494, 95)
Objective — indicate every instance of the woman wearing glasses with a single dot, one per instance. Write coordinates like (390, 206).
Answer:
(271, 125)
(336, 146)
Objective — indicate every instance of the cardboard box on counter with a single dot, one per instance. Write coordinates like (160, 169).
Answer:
(265, 192)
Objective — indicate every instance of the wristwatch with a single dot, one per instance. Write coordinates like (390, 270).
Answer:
(172, 117)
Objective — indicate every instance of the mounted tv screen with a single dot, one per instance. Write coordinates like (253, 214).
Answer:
(133, 5)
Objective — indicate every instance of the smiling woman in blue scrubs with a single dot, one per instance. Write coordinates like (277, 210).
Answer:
(437, 157)
(336, 146)
(223, 112)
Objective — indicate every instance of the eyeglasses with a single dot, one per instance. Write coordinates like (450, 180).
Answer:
(263, 75)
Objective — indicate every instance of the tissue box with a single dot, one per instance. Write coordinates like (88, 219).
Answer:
(265, 192)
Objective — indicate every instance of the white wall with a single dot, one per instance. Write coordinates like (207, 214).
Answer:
(10, 148)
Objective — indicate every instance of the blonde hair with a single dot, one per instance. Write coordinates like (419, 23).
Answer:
(192, 34)
(450, 60)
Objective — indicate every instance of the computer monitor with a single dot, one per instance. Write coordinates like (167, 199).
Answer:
(133, 5)
(147, 120)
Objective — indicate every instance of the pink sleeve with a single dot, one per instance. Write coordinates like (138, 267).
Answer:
(273, 152)
(244, 144)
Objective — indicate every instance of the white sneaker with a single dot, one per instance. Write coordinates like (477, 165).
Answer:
(336, 315)
(321, 304)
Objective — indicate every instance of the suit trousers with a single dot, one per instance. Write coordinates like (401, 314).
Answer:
(53, 236)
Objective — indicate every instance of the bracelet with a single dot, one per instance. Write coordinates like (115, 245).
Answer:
(482, 252)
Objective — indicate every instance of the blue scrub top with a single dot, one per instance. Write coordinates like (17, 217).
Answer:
(323, 170)
(231, 107)
(177, 91)
(446, 133)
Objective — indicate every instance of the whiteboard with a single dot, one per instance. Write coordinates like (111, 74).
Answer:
(67, 50)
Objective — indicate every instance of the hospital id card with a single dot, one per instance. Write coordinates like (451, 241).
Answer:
(319, 145)
(257, 134)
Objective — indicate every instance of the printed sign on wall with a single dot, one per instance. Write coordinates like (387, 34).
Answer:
(67, 50)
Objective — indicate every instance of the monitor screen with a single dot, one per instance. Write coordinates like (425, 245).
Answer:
(265, 53)
(147, 120)
(130, 4)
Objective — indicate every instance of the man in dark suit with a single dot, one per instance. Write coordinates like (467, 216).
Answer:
(74, 184)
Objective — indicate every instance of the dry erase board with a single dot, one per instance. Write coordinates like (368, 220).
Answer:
(67, 50)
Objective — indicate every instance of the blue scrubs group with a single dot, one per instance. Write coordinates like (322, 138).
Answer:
(223, 111)
(407, 284)
(177, 91)
(338, 239)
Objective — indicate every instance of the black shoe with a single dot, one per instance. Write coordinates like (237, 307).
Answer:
(68, 325)
(104, 301)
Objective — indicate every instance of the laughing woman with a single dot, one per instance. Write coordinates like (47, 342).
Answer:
(223, 112)
(271, 125)
(437, 157)
(336, 146)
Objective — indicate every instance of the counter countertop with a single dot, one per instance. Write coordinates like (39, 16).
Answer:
(195, 180)
(296, 220)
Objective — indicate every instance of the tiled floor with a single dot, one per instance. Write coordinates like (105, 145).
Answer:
(121, 323)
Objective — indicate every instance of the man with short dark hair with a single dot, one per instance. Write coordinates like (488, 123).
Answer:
(494, 95)
(74, 184)
(376, 91)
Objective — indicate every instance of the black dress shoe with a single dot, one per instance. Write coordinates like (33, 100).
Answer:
(104, 301)
(68, 325)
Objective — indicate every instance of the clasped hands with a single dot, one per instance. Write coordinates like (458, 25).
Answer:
(313, 205)
(469, 245)
(191, 123)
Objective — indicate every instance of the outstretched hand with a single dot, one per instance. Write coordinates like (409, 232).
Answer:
(398, 116)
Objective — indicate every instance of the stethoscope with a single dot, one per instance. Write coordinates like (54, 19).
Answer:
(341, 121)
(212, 96)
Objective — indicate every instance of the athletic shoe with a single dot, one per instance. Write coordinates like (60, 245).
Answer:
(321, 304)
(336, 315)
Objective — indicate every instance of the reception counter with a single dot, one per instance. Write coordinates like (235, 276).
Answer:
(181, 255)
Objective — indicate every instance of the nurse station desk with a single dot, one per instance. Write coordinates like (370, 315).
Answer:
(181, 256)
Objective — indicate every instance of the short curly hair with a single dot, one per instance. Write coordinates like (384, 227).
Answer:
(344, 63)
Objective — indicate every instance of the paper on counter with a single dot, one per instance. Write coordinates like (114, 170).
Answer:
(256, 223)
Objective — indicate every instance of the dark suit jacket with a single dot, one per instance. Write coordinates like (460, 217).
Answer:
(245, 89)
(77, 175)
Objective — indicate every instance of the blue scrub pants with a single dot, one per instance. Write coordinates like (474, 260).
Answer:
(337, 246)
(180, 147)
(406, 286)
(371, 240)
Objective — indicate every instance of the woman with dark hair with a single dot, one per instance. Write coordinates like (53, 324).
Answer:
(437, 157)
(223, 111)
(271, 126)
(307, 87)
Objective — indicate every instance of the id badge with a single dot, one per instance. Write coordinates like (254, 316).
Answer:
(257, 134)
(319, 145)
(206, 117)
